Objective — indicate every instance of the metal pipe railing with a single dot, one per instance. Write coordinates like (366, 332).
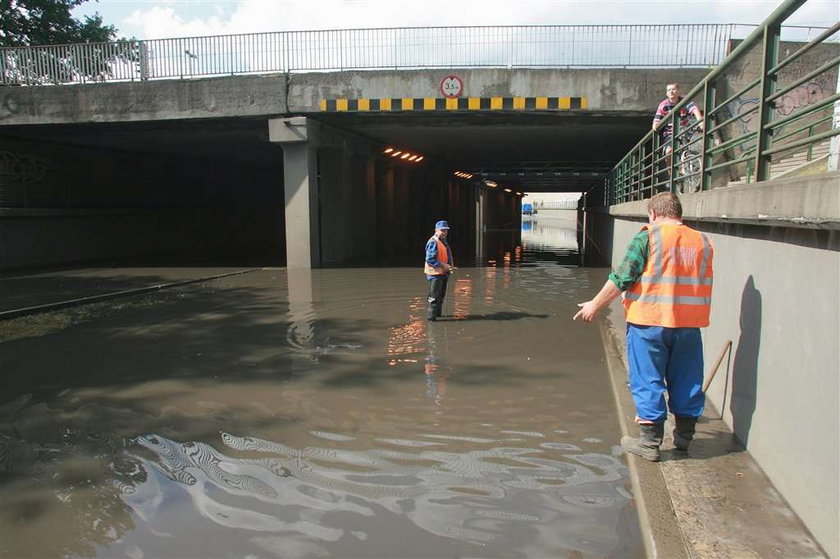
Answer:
(746, 134)
(534, 46)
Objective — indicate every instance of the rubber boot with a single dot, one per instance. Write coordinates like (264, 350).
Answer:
(684, 431)
(647, 445)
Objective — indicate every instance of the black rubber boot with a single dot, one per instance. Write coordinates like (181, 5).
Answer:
(684, 431)
(647, 445)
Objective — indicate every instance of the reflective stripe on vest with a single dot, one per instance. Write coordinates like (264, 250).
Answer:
(675, 289)
(443, 256)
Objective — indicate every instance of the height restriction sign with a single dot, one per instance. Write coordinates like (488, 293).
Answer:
(451, 86)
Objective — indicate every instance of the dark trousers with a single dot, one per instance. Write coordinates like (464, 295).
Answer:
(437, 291)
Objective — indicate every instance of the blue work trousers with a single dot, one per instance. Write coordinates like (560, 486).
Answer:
(663, 359)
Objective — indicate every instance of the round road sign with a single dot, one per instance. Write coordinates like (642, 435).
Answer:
(451, 86)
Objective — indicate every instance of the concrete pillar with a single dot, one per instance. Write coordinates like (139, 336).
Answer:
(298, 138)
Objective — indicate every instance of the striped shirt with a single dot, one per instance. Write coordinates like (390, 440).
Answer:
(666, 107)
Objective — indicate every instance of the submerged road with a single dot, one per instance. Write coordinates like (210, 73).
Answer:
(316, 413)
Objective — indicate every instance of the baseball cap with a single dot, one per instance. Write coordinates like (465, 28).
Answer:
(442, 224)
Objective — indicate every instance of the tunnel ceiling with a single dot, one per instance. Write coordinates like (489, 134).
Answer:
(531, 152)
(557, 152)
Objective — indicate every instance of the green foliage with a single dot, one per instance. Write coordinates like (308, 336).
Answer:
(49, 22)
(27, 23)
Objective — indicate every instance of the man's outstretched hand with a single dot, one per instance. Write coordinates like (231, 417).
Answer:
(588, 311)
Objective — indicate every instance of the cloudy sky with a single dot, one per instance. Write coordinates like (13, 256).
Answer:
(153, 19)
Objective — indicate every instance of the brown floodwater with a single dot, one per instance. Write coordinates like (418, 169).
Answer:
(318, 414)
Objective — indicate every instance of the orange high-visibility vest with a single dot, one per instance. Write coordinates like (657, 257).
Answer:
(443, 256)
(675, 288)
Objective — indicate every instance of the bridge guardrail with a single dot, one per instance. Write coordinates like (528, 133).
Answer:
(770, 107)
(533, 46)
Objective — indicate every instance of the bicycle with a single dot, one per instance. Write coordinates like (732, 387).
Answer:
(689, 171)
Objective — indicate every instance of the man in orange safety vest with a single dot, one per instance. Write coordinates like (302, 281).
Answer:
(437, 268)
(666, 278)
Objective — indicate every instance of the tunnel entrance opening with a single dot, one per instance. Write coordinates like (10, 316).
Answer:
(180, 193)
(475, 173)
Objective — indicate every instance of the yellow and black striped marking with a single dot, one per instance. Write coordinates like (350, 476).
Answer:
(460, 104)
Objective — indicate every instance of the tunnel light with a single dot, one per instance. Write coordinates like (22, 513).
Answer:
(519, 194)
(508, 190)
(419, 159)
(491, 184)
(402, 154)
(463, 175)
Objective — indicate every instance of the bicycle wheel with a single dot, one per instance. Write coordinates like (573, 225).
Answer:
(689, 172)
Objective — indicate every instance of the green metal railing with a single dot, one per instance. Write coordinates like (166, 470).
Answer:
(772, 103)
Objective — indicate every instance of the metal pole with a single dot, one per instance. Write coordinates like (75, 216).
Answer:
(769, 59)
(708, 138)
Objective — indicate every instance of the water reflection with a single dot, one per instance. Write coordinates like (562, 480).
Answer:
(436, 366)
(551, 236)
(318, 414)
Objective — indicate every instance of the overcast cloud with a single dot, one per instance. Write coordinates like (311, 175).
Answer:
(152, 19)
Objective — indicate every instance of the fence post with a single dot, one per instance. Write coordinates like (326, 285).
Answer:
(708, 138)
(769, 59)
(4, 79)
(144, 60)
(672, 164)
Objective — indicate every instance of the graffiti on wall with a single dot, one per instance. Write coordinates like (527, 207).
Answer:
(801, 97)
(8, 107)
(22, 168)
(18, 172)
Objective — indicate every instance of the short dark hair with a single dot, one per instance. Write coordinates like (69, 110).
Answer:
(666, 204)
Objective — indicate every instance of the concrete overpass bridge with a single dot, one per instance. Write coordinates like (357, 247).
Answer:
(523, 129)
(293, 168)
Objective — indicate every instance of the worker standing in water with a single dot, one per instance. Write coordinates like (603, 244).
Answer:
(437, 268)
(666, 278)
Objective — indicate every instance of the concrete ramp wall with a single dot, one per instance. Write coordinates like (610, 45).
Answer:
(777, 272)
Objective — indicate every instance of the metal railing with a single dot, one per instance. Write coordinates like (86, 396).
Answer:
(768, 106)
(567, 46)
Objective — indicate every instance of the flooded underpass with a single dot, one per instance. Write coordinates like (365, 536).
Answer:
(318, 414)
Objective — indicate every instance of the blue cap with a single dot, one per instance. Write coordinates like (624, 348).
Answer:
(442, 224)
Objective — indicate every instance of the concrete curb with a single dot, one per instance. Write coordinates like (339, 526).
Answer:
(660, 531)
(15, 313)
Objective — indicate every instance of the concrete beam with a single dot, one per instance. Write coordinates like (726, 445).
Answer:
(609, 90)
(810, 202)
(230, 96)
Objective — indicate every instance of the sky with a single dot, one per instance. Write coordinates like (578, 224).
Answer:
(156, 19)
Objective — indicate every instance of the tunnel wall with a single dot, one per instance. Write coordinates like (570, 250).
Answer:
(776, 298)
(375, 211)
(63, 205)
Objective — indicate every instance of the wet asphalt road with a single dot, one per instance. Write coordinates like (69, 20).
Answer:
(318, 414)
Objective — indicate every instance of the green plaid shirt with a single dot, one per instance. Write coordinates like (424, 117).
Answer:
(631, 268)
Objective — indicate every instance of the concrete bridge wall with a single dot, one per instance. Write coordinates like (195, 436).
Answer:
(605, 90)
(608, 90)
(232, 96)
(776, 298)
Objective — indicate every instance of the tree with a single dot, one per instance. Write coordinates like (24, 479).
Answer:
(27, 23)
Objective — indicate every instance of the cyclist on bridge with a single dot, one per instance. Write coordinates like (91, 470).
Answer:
(672, 93)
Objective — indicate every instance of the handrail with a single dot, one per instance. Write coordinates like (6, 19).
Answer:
(525, 46)
(745, 129)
